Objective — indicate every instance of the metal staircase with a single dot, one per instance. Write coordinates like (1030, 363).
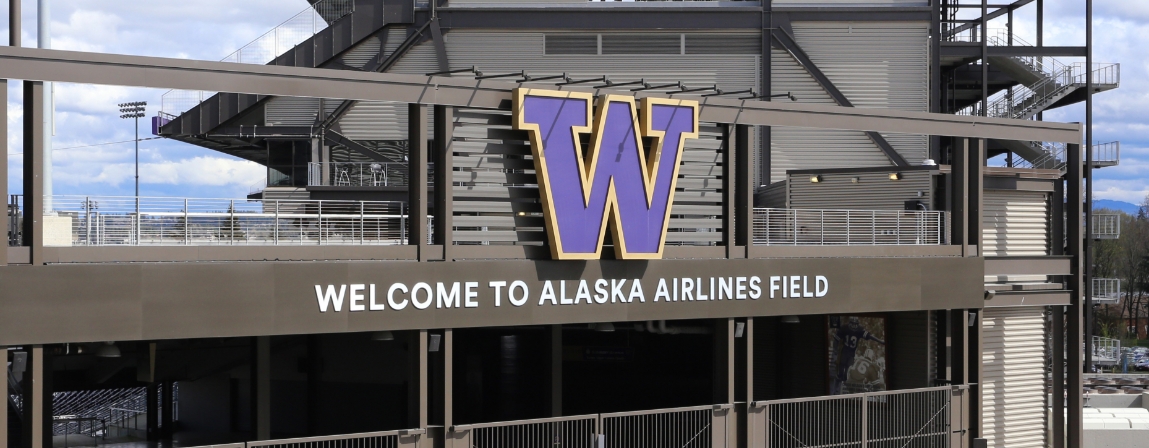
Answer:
(1046, 83)
(316, 37)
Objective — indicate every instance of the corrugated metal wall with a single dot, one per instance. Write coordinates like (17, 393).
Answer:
(859, 191)
(1013, 385)
(496, 198)
(875, 65)
(1015, 223)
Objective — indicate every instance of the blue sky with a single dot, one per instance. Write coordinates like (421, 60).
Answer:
(212, 29)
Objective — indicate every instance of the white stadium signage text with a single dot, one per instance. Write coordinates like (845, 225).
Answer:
(423, 295)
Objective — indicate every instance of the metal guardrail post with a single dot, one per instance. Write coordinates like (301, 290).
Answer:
(319, 223)
(138, 219)
(87, 221)
(362, 225)
(848, 231)
(187, 224)
(403, 224)
(231, 222)
(865, 400)
(276, 229)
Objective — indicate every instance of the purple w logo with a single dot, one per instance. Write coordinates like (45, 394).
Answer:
(617, 181)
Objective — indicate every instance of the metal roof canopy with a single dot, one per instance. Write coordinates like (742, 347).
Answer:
(168, 73)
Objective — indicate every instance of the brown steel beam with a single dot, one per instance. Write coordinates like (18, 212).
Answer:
(33, 234)
(959, 196)
(1074, 329)
(975, 167)
(448, 386)
(417, 178)
(444, 161)
(1057, 325)
(139, 71)
(744, 184)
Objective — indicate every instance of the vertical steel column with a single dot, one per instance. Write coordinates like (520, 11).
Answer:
(959, 196)
(1040, 23)
(936, 76)
(37, 389)
(417, 178)
(448, 383)
(166, 409)
(730, 353)
(417, 393)
(975, 168)
(1057, 326)
(765, 86)
(14, 41)
(556, 370)
(261, 388)
(1087, 250)
(1057, 224)
(34, 170)
(151, 405)
(4, 171)
(751, 412)
(1074, 343)
(984, 58)
(729, 193)
(959, 360)
(941, 346)
(744, 197)
(444, 165)
(974, 372)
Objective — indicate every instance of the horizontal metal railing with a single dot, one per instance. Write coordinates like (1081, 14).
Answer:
(917, 417)
(159, 221)
(267, 47)
(799, 227)
(356, 174)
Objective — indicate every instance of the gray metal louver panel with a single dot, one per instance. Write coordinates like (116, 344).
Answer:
(875, 65)
(395, 37)
(642, 43)
(1013, 381)
(362, 53)
(291, 111)
(1015, 223)
(562, 43)
(859, 191)
(723, 43)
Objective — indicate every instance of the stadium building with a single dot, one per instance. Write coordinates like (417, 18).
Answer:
(527, 223)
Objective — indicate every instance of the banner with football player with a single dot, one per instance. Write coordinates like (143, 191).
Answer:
(857, 346)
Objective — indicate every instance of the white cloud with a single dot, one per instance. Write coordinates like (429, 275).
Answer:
(201, 171)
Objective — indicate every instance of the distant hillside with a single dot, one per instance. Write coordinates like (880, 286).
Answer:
(1115, 205)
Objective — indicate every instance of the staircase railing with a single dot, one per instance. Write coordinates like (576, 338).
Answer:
(267, 47)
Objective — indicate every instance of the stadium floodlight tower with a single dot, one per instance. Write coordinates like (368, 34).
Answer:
(135, 110)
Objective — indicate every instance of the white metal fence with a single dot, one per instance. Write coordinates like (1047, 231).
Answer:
(356, 174)
(1106, 226)
(1106, 289)
(115, 221)
(691, 427)
(911, 418)
(267, 47)
(1106, 349)
(798, 227)
(578, 431)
